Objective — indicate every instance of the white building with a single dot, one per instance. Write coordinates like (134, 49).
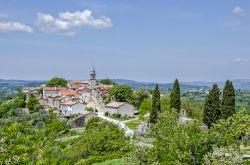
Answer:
(121, 108)
(71, 108)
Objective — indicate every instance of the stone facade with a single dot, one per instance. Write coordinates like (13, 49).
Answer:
(122, 108)
(72, 108)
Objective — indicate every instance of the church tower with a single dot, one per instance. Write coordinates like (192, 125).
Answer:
(93, 78)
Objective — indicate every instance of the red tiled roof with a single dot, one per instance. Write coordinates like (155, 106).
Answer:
(67, 92)
(54, 88)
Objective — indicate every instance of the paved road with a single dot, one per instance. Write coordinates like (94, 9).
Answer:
(121, 124)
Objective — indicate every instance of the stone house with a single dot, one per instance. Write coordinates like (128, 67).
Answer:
(83, 118)
(70, 108)
(122, 108)
(51, 100)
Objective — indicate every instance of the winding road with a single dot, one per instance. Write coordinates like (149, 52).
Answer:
(121, 124)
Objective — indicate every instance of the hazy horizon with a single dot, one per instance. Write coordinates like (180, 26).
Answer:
(167, 82)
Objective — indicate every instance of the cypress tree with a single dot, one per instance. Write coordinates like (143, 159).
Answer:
(212, 111)
(175, 96)
(156, 105)
(228, 100)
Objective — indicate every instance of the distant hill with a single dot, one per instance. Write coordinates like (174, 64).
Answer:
(163, 86)
(242, 84)
(21, 82)
(10, 86)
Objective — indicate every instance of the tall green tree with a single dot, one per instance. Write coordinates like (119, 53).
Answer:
(156, 105)
(212, 112)
(175, 96)
(228, 100)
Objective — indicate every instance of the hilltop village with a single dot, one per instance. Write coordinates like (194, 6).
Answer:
(91, 121)
(82, 98)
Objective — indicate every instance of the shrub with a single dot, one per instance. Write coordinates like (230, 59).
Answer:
(118, 115)
(90, 109)
(106, 114)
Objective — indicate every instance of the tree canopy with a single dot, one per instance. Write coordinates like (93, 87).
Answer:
(106, 82)
(173, 143)
(100, 142)
(122, 93)
(139, 96)
(57, 82)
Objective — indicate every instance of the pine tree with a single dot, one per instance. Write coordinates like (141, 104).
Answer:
(228, 100)
(175, 96)
(156, 105)
(212, 112)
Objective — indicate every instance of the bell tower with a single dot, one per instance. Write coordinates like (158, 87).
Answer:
(93, 78)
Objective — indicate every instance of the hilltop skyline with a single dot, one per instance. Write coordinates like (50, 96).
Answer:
(142, 41)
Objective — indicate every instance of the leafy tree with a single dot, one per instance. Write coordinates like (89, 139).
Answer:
(122, 93)
(139, 96)
(21, 96)
(145, 107)
(54, 127)
(228, 100)
(18, 144)
(228, 136)
(20, 100)
(106, 82)
(100, 142)
(40, 91)
(173, 143)
(175, 97)
(156, 105)
(32, 103)
(57, 82)
(212, 110)
(10, 107)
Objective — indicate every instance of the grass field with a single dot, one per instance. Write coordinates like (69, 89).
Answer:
(133, 124)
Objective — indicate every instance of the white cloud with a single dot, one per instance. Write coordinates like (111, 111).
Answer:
(239, 11)
(3, 15)
(14, 26)
(241, 60)
(69, 22)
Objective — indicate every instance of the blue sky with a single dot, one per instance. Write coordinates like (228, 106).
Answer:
(155, 41)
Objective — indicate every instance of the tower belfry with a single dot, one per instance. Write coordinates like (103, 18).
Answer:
(93, 77)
